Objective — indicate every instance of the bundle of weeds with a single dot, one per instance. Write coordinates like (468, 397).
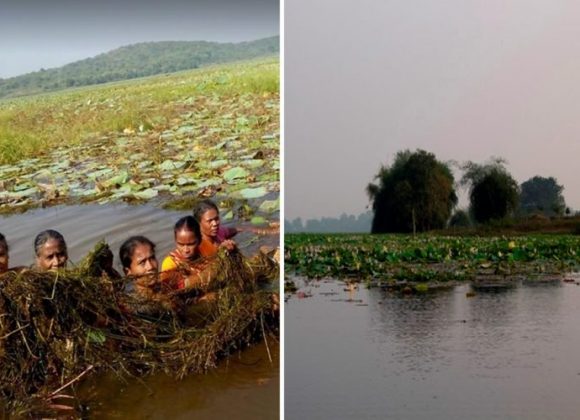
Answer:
(58, 327)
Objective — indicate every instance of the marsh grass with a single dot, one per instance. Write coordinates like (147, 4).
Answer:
(32, 126)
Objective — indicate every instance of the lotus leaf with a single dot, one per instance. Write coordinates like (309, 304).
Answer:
(235, 173)
(146, 194)
(249, 193)
(169, 165)
(270, 206)
(119, 179)
(253, 163)
(258, 220)
(184, 180)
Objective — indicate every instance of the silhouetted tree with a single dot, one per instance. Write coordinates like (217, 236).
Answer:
(493, 192)
(460, 219)
(416, 193)
(539, 194)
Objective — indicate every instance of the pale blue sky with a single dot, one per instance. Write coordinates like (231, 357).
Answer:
(465, 80)
(39, 33)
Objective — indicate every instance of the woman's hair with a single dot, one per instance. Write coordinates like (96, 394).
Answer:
(45, 236)
(202, 207)
(128, 247)
(3, 242)
(187, 223)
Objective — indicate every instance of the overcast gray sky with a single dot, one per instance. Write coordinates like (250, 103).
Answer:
(464, 79)
(42, 33)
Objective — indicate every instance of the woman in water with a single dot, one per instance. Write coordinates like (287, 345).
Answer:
(51, 252)
(3, 254)
(178, 263)
(213, 234)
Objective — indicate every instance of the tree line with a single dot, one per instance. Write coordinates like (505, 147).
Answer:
(344, 224)
(417, 193)
(138, 60)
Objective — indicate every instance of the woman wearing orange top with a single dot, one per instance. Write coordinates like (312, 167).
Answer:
(213, 235)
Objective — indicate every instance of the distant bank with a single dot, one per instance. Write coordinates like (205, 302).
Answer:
(138, 60)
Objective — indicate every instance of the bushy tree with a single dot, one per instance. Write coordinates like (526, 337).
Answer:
(460, 219)
(493, 191)
(416, 193)
(539, 194)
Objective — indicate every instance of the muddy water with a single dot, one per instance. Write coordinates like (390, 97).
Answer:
(370, 354)
(244, 386)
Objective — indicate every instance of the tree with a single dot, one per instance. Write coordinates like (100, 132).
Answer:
(415, 194)
(539, 194)
(460, 219)
(493, 191)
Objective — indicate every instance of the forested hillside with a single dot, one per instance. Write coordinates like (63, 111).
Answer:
(138, 60)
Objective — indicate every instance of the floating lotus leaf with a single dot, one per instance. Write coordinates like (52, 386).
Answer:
(144, 164)
(60, 166)
(253, 163)
(184, 180)
(97, 174)
(217, 163)
(162, 187)
(270, 206)
(235, 173)
(249, 193)
(119, 179)
(258, 220)
(146, 194)
(22, 193)
(170, 165)
(209, 183)
(89, 192)
(23, 186)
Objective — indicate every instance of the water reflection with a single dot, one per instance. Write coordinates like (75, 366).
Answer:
(508, 354)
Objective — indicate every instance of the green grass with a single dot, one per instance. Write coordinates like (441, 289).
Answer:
(31, 126)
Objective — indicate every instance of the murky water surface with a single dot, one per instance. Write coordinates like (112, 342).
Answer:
(510, 354)
(244, 386)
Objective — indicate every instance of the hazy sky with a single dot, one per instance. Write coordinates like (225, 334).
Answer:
(464, 79)
(42, 33)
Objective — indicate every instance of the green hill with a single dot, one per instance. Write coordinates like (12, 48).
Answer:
(138, 60)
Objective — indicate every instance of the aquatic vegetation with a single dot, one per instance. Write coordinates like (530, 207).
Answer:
(427, 258)
(59, 328)
(197, 133)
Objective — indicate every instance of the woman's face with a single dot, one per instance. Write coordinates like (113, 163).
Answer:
(3, 258)
(210, 223)
(186, 243)
(143, 261)
(52, 256)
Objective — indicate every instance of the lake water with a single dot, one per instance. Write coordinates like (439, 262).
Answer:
(244, 386)
(510, 354)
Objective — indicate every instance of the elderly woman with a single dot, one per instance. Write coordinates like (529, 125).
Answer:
(51, 252)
